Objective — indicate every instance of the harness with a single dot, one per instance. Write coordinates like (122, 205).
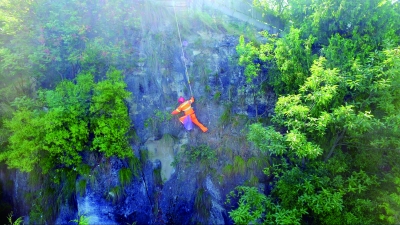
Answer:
(190, 107)
(183, 105)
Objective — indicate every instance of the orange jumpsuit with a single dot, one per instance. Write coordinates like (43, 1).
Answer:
(186, 107)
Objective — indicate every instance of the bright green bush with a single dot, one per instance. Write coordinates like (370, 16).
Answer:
(110, 121)
(75, 117)
(334, 136)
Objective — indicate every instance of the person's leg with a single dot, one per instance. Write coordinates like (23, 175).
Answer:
(195, 121)
(182, 118)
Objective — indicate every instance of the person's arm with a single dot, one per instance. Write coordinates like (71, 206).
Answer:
(176, 111)
(191, 99)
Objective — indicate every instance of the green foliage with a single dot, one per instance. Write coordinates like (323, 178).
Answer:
(310, 117)
(157, 177)
(253, 181)
(24, 143)
(240, 167)
(110, 120)
(81, 187)
(59, 190)
(226, 116)
(134, 165)
(256, 163)
(20, 58)
(58, 132)
(163, 116)
(73, 36)
(203, 205)
(125, 176)
(207, 88)
(311, 194)
(65, 123)
(250, 205)
(18, 221)
(293, 57)
(333, 133)
(239, 164)
(248, 53)
(82, 220)
(228, 170)
(390, 204)
(217, 96)
(270, 7)
(201, 153)
(115, 194)
(267, 140)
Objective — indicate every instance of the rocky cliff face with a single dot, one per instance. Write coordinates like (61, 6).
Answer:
(185, 175)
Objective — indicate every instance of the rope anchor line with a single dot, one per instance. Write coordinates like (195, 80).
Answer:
(183, 55)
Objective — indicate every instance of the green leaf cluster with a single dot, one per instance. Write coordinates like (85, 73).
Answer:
(333, 140)
(252, 57)
(203, 154)
(76, 116)
(110, 121)
(250, 205)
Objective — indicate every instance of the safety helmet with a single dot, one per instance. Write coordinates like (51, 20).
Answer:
(181, 99)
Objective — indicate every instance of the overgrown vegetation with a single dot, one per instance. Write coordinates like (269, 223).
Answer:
(60, 98)
(61, 123)
(333, 138)
(331, 147)
(18, 221)
(50, 133)
(155, 121)
(202, 154)
(82, 220)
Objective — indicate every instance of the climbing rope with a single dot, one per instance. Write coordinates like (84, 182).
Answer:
(183, 56)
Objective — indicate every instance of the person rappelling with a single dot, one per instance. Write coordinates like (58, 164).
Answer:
(190, 117)
(186, 106)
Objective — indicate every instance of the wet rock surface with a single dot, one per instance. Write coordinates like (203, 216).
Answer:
(177, 198)
(137, 205)
(163, 151)
(217, 84)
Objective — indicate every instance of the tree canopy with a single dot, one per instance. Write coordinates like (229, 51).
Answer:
(333, 140)
(81, 115)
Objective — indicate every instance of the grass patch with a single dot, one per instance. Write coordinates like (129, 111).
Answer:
(134, 165)
(202, 154)
(202, 205)
(132, 134)
(115, 194)
(18, 221)
(239, 165)
(228, 170)
(157, 177)
(217, 96)
(144, 156)
(81, 187)
(207, 89)
(257, 163)
(252, 182)
(125, 176)
(82, 220)
(226, 116)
